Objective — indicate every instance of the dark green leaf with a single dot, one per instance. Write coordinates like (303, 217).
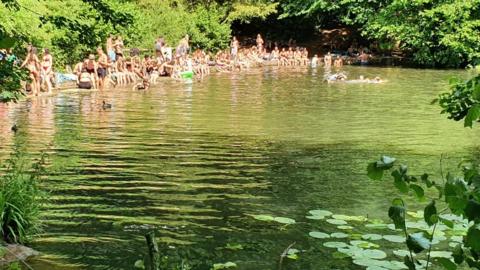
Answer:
(430, 213)
(374, 172)
(472, 115)
(472, 240)
(455, 195)
(426, 181)
(7, 42)
(417, 242)
(408, 262)
(458, 254)
(472, 210)
(401, 185)
(419, 192)
(447, 222)
(397, 213)
(446, 263)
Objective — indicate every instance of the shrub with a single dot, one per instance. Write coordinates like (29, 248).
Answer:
(21, 198)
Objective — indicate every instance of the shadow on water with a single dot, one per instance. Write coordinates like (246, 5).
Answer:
(193, 162)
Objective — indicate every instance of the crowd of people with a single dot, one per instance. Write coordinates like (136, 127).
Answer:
(118, 66)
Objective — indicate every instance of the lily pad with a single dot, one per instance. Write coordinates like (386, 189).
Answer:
(319, 235)
(339, 235)
(441, 254)
(335, 244)
(363, 244)
(456, 238)
(323, 213)
(376, 225)
(349, 250)
(263, 217)
(418, 214)
(284, 220)
(394, 238)
(350, 218)
(345, 227)
(402, 253)
(370, 254)
(366, 262)
(372, 237)
(315, 217)
(337, 221)
(226, 265)
(292, 253)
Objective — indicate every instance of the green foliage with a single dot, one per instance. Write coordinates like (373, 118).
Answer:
(244, 11)
(21, 199)
(463, 100)
(11, 77)
(207, 30)
(435, 33)
(461, 195)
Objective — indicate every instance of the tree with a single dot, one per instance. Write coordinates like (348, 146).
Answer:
(434, 33)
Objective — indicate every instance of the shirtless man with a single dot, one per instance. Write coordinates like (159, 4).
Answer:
(102, 67)
(338, 62)
(364, 57)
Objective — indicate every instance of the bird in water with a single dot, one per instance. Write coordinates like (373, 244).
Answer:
(14, 128)
(106, 105)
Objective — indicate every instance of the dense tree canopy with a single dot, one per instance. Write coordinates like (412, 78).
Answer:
(435, 33)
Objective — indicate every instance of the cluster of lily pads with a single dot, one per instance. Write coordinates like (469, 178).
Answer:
(361, 238)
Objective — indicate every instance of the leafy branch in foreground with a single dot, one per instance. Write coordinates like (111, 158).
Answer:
(461, 196)
(463, 101)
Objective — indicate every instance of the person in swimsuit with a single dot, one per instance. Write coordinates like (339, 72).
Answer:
(159, 44)
(91, 67)
(46, 72)
(102, 67)
(85, 80)
(327, 59)
(110, 49)
(33, 65)
(338, 63)
(260, 42)
(118, 46)
(234, 47)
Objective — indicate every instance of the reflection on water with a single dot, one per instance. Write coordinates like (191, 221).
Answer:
(192, 160)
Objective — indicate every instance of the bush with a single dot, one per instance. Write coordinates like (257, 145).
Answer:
(21, 198)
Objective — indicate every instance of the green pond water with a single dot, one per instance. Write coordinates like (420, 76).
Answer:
(194, 161)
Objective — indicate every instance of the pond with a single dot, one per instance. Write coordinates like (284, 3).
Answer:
(195, 161)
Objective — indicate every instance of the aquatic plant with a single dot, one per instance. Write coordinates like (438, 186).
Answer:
(21, 198)
(461, 195)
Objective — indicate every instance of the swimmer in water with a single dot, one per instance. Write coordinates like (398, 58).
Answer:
(336, 77)
(144, 85)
